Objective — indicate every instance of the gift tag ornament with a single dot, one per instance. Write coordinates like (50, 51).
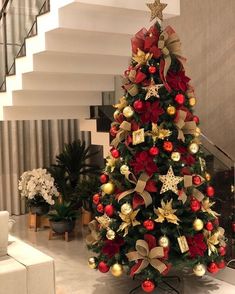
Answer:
(138, 137)
(183, 244)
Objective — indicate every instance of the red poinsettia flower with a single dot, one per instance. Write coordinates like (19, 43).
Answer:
(197, 246)
(112, 247)
(143, 162)
(178, 80)
(151, 112)
(186, 157)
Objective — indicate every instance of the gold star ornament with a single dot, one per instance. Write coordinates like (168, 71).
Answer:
(156, 9)
(170, 182)
(166, 212)
(152, 91)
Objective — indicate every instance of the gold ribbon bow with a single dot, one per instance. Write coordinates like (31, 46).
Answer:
(94, 236)
(184, 128)
(125, 129)
(139, 188)
(147, 256)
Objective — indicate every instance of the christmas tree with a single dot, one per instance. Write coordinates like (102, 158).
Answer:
(155, 207)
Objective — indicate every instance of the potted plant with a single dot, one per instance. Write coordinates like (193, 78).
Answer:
(38, 187)
(63, 217)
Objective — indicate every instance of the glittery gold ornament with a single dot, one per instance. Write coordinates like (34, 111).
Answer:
(128, 112)
(138, 137)
(166, 212)
(141, 57)
(170, 182)
(193, 148)
(126, 209)
(207, 177)
(171, 110)
(199, 270)
(156, 9)
(108, 188)
(124, 169)
(110, 234)
(192, 101)
(152, 90)
(197, 132)
(175, 156)
(116, 114)
(198, 224)
(164, 241)
(92, 262)
(116, 270)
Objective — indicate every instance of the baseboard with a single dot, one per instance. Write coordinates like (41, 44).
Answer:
(226, 275)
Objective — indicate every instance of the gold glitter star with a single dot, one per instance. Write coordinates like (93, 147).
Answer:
(158, 132)
(166, 212)
(170, 182)
(141, 57)
(156, 9)
(152, 91)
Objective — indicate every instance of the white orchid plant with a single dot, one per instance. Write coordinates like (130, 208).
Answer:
(38, 186)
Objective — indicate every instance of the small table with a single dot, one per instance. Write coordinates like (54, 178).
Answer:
(38, 221)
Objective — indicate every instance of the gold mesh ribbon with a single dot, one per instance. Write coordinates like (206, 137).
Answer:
(94, 236)
(184, 128)
(139, 188)
(125, 129)
(147, 256)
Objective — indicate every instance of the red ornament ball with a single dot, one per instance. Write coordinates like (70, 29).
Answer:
(152, 69)
(196, 180)
(180, 99)
(100, 208)
(138, 105)
(109, 210)
(209, 226)
(222, 251)
(154, 151)
(96, 199)
(113, 131)
(148, 286)
(149, 224)
(196, 119)
(195, 205)
(221, 264)
(103, 267)
(210, 191)
(212, 268)
(168, 146)
(104, 178)
(115, 153)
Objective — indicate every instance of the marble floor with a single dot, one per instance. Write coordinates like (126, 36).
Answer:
(74, 277)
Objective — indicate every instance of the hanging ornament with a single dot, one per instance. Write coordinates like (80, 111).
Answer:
(92, 262)
(210, 191)
(166, 212)
(138, 105)
(198, 224)
(115, 153)
(170, 181)
(110, 235)
(156, 9)
(222, 251)
(108, 188)
(100, 208)
(96, 199)
(197, 132)
(116, 270)
(193, 148)
(212, 268)
(196, 119)
(152, 69)
(152, 90)
(154, 151)
(138, 137)
(209, 226)
(192, 101)
(128, 112)
(124, 169)
(109, 210)
(148, 286)
(199, 270)
(195, 205)
(116, 114)
(180, 99)
(104, 178)
(164, 241)
(168, 146)
(113, 131)
(171, 110)
(197, 180)
(149, 224)
(175, 156)
(158, 132)
(221, 264)
(126, 209)
(103, 267)
(207, 176)
(183, 244)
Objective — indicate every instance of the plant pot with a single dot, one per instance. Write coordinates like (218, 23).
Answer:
(40, 209)
(62, 226)
(86, 217)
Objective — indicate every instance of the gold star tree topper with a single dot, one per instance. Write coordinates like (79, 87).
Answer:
(170, 182)
(156, 9)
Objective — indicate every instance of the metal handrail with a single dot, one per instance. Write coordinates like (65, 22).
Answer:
(4, 6)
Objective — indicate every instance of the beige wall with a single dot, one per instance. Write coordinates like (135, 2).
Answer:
(207, 32)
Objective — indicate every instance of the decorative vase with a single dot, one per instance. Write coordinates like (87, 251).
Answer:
(86, 217)
(62, 226)
(39, 209)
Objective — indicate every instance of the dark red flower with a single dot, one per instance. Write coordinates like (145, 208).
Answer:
(189, 116)
(178, 80)
(186, 157)
(151, 112)
(112, 247)
(143, 162)
(197, 246)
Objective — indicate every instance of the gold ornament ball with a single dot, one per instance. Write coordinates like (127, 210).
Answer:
(92, 262)
(199, 270)
(110, 234)
(126, 209)
(198, 224)
(207, 177)
(128, 112)
(108, 188)
(197, 132)
(171, 110)
(124, 169)
(116, 114)
(164, 241)
(175, 156)
(116, 270)
(193, 148)
(192, 101)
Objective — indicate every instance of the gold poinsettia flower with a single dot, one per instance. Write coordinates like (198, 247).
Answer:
(158, 132)
(122, 103)
(206, 207)
(166, 212)
(211, 240)
(128, 221)
(141, 57)
(111, 163)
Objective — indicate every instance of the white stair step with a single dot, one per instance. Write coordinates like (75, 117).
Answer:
(101, 139)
